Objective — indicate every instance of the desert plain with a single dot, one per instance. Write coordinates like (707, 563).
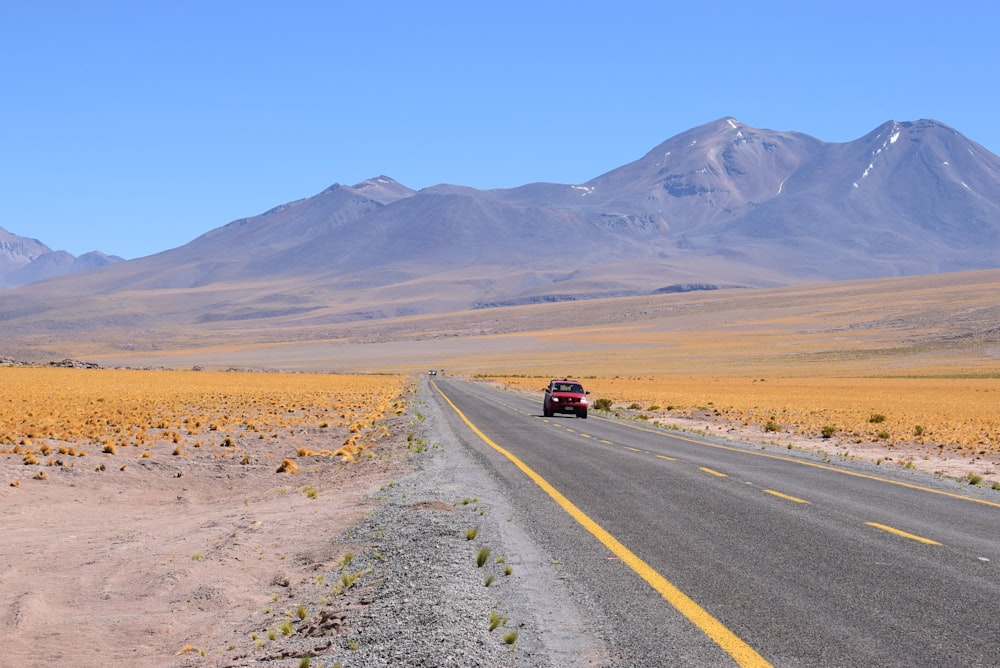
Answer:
(171, 504)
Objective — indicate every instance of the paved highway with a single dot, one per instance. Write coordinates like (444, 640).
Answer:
(695, 552)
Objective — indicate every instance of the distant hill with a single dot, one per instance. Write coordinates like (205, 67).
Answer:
(24, 261)
(722, 205)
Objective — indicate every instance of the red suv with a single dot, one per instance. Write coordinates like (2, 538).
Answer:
(565, 396)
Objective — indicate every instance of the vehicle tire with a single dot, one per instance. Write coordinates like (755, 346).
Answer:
(583, 414)
(546, 412)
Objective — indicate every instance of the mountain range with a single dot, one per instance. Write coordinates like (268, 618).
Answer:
(722, 205)
(24, 260)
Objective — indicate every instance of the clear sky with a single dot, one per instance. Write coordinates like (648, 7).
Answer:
(132, 127)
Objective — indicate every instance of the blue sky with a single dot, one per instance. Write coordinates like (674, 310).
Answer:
(133, 127)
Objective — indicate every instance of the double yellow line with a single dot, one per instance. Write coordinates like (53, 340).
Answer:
(742, 653)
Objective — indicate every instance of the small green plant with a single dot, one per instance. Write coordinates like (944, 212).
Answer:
(603, 404)
(310, 491)
(197, 556)
(995, 485)
(346, 560)
(494, 621)
(305, 661)
(482, 556)
(876, 418)
(286, 628)
(634, 406)
(508, 570)
(771, 425)
(918, 430)
(975, 479)
(489, 580)
(828, 431)
(271, 634)
(653, 408)
(883, 435)
(510, 637)
(347, 579)
(301, 612)
(471, 533)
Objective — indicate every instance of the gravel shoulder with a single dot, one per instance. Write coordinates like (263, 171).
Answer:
(403, 586)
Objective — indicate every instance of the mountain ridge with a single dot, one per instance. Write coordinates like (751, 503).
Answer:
(25, 260)
(720, 205)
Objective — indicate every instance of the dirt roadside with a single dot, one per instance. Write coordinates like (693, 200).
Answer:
(135, 567)
(916, 456)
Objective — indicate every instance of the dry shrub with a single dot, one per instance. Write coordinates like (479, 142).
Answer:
(288, 466)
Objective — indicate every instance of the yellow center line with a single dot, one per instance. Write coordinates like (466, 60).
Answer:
(715, 473)
(785, 496)
(605, 442)
(921, 539)
(633, 449)
(669, 459)
(742, 653)
(586, 435)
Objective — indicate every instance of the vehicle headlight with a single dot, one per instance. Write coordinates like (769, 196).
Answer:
(555, 398)
(584, 400)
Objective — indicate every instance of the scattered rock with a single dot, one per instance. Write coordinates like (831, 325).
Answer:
(75, 364)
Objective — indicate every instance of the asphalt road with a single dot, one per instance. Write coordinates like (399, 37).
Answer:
(692, 551)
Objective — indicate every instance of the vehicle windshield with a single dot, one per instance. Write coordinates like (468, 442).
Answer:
(567, 387)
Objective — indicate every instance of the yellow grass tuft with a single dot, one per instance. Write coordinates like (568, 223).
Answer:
(288, 466)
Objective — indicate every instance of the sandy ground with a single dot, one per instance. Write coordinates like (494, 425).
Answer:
(164, 559)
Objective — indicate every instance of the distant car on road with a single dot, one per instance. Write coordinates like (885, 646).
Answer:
(565, 396)
(432, 372)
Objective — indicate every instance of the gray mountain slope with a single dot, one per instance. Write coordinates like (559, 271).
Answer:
(720, 205)
(24, 261)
